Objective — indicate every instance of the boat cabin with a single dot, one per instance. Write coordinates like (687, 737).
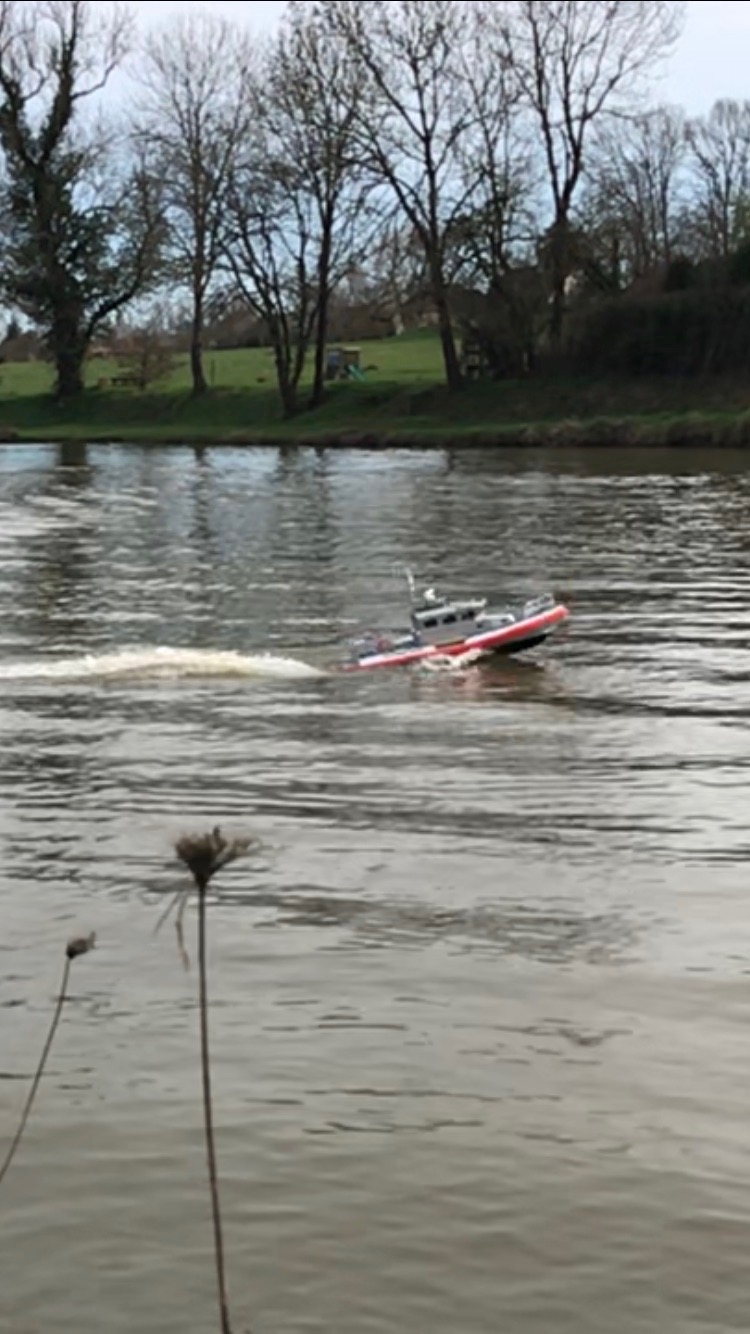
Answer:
(438, 620)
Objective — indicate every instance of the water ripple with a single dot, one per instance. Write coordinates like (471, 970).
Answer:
(479, 1000)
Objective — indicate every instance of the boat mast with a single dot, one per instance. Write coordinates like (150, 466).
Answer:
(411, 583)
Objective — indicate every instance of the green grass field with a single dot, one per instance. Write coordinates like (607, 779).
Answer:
(400, 399)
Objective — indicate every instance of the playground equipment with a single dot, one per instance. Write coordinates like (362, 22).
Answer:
(343, 363)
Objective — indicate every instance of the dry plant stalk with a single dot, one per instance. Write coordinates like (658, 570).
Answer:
(181, 898)
(204, 855)
(75, 947)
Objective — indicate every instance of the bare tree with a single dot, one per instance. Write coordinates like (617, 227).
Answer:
(297, 219)
(76, 247)
(191, 124)
(271, 254)
(146, 353)
(415, 111)
(576, 61)
(310, 102)
(498, 161)
(391, 275)
(719, 146)
(635, 191)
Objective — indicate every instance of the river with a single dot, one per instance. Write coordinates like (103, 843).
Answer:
(481, 1000)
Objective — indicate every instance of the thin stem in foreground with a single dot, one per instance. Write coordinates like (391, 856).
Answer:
(204, 855)
(213, 1176)
(81, 945)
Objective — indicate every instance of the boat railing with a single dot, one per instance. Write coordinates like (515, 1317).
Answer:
(536, 605)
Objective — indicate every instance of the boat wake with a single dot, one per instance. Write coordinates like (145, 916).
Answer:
(460, 662)
(159, 664)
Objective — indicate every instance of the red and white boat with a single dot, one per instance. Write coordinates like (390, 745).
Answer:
(449, 628)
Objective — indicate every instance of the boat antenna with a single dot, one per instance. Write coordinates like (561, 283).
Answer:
(411, 583)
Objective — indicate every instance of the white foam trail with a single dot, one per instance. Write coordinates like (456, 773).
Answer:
(457, 663)
(160, 664)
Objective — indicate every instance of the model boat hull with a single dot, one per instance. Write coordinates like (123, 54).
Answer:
(521, 634)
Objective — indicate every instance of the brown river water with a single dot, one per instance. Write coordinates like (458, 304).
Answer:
(481, 1003)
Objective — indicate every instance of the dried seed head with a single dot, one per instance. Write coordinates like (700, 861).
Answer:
(80, 945)
(205, 854)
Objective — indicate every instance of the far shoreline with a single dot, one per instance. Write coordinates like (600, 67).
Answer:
(683, 431)
(400, 403)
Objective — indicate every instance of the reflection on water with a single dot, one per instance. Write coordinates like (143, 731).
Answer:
(544, 936)
(479, 1015)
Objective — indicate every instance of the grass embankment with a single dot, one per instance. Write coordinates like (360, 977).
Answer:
(400, 401)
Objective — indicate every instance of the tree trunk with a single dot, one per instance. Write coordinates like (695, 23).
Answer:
(321, 332)
(289, 401)
(287, 388)
(453, 376)
(196, 349)
(557, 312)
(321, 339)
(68, 347)
(559, 266)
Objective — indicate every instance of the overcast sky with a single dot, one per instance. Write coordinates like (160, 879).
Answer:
(712, 60)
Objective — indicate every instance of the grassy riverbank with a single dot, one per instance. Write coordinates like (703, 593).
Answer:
(399, 401)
